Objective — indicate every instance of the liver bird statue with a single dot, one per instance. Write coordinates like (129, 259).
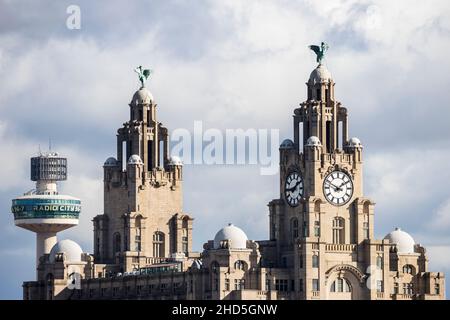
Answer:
(319, 51)
(143, 74)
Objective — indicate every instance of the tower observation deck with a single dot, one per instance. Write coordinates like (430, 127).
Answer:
(43, 210)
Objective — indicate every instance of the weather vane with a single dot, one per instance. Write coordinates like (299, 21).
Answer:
(143, 74)
(320, 51)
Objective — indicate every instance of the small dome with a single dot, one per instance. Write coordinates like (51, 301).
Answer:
(71, 249)
(110, 162)
(313, 141)
(405, 243)
(175, 161)
(134, 159)
(354, 143)
(320, 74)
(236, 235)
(142, 96)
(287, 144)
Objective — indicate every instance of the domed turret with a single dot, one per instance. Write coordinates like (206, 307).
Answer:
(405, 243)
(110, 162)
(236, 235)
(287, 144)
(320, 74)
(354, 143)
(175, 161)
(142, 96)
(71, 249)
(135, 159)
(313, 141)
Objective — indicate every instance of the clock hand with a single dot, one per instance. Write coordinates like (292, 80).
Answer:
(294, 187)
(332, 185)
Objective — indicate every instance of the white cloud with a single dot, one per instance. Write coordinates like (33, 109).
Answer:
(387, 57)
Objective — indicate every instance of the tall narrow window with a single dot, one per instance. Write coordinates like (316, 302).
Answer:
(149, 154)
(317, 228)
(338, 230)
(318, 94)
(380, 286)
(158, 244)
(124, 155)
(185, 236)
(137, 237)
(227, 284)
(437, 289)
(315, 285)
(339, 139)
(395, 289)
(117, 242)
(366, 230)
(305, 229)
(161, 154)
(301, 136)
(380, 262)
(315, 261)
(294, 228)
(328, 132)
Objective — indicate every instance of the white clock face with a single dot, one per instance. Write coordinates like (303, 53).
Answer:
(293, 189)
(338, 188)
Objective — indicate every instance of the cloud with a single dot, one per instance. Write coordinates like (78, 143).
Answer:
(233, 65)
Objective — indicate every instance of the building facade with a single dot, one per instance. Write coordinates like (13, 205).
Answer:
(321, 240)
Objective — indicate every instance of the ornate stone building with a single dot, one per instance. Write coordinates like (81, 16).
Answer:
(321, 243)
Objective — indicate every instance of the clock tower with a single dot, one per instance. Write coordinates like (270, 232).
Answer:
(322, 204)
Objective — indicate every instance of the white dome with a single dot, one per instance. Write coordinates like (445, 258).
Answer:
(236, 235)
(405, 243)
(313, 141)
(354, 143)
(142, 96)
(287, 144)
(175, 161)
(134, 159)
(71, 249)
(110, 162)
(320, 74)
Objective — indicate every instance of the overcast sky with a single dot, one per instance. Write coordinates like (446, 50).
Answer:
(231, 64)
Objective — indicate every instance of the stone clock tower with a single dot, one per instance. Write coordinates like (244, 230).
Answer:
(143, 221)
(322, 207)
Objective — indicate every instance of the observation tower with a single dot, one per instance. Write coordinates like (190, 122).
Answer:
(43, 210)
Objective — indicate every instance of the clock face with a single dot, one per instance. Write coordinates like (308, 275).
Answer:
(293, 189)
(338, 188)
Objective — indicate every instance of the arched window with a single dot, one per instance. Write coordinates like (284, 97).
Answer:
(117, 242)
(317, 206)
(407, 268)
(340, 285)
(338, 230)
(240, 265)
(294, 228)
(215, 268)
(138, 235)
(158, 244)
(185, 236)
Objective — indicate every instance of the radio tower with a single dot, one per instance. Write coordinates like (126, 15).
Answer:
(43, 210)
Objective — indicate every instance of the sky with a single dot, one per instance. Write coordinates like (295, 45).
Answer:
(230, 64)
